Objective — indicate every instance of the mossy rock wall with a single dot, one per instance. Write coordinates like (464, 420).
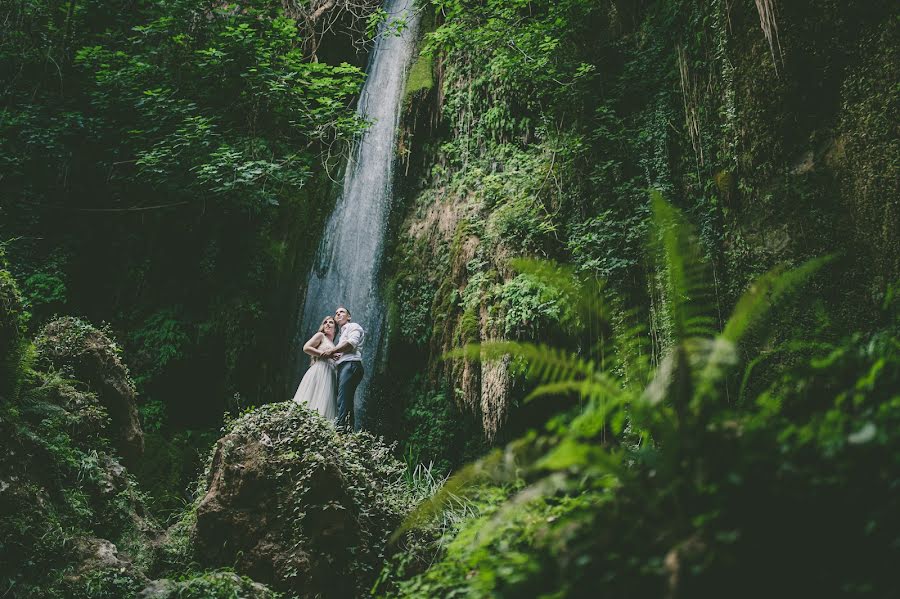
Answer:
(74, 522)
(777, 153)
(85, 353)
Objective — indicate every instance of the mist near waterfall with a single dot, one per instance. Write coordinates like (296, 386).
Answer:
(349, 257)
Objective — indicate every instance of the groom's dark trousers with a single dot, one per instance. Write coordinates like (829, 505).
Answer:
(349, 376)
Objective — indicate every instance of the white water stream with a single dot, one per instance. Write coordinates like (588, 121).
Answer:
(349, 258)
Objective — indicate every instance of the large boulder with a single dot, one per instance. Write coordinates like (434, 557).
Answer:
(293, 503)
(89, 355)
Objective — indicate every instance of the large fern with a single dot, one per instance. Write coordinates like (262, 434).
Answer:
(622, 382)
(686, 273)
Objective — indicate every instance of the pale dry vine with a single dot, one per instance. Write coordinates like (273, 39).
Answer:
(769, 24)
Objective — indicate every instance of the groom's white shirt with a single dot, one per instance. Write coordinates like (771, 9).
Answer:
(355, 334)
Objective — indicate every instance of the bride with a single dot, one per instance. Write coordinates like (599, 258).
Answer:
(318, 389)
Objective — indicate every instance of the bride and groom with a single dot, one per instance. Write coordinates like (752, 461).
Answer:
(336, 370)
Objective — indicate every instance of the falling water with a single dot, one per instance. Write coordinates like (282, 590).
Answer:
(350, 252)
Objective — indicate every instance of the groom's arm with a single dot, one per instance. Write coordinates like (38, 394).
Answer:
(346, 344)
(341, 348)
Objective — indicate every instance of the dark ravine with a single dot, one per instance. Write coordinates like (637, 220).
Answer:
(761, 446)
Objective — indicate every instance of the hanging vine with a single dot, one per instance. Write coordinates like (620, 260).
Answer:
(769, 24)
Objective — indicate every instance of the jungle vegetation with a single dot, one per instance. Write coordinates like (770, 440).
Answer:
(642, 284)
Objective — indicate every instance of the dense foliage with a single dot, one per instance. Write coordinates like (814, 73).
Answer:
(539, 134)
(686, 398)
(546, 122)
(662, 483)
(69, 506)
(163, 167)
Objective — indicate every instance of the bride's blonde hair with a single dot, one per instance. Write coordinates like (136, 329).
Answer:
(324, 320)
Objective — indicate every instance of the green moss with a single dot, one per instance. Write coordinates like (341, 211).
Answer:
(867, 153)
(443, 307)
(469, 329)
(411, 293)
(421, 75)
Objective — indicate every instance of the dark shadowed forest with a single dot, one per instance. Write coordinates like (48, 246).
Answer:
(633, 298)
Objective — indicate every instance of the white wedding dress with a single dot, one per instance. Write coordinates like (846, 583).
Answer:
(318, 389)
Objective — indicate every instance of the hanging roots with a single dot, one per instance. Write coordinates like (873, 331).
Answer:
(766, 9)
(690, 94)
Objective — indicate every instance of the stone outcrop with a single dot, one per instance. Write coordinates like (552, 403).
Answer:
(99, 554)
(73, 523)
(294, 504)
(89, 355)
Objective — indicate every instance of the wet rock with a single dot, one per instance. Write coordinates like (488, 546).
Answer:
(99, 554)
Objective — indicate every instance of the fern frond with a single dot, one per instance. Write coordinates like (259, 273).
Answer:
(598, 387)
(558, 388)
(547, 364)
(457, 486)
(687, 272)
(544, 487)
(550, 273)
(765, 292)
(791, 347)
(586, 297)
(606, 467)
(751, 309)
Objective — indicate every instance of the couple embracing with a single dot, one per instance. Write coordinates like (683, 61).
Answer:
(330, 383)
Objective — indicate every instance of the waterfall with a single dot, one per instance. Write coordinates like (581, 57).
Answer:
(349, 257)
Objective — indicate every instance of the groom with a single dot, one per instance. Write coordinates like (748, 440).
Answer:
(347, 355)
